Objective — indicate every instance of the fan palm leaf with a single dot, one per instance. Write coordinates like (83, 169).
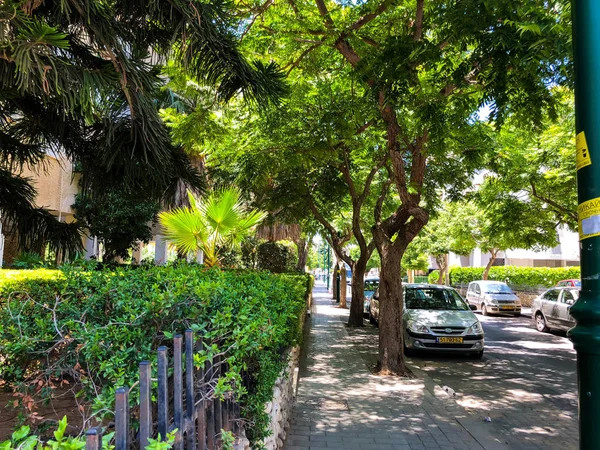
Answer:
(217, 222)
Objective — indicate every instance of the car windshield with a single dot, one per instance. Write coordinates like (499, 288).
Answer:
(498, 288)
(371, 285)
(431, 298)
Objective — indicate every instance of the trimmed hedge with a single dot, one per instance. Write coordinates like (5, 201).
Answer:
(277, 257)
(512, 275)
(96, 326)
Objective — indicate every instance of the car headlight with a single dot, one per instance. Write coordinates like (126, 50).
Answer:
(476, 328)
(417, 327)
(493, 302)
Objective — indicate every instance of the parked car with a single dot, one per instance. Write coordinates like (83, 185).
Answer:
(371, 285)
(552, 309)
(437, 318)
(569, 283)
(493, 297)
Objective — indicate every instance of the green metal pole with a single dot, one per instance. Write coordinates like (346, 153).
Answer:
(586, 335)
(328, 266)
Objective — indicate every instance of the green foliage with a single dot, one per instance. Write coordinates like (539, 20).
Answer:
(28, 260)
(21, 439)
(118, 220)
(98, 325)
(277, 257)
(219, 221)
(513, 275)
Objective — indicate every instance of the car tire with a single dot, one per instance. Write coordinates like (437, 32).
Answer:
(409, 351)
(477, 355)
(484, 311)
(540, 323)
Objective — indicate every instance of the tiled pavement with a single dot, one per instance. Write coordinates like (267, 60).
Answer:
(341, 404)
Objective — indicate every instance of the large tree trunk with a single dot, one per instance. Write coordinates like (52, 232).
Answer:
(441, 262)
(303, 246)
(334, 278)
(391, 339)
(358, 293)
(343, 285)
(486, 272)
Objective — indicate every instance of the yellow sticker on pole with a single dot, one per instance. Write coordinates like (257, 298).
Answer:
(583, 152)
(588, 214)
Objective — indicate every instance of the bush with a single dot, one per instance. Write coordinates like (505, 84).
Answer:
(96, 326)
(513, 275)
(277, 257)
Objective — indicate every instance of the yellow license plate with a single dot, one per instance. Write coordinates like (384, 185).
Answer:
(450, 340)
(507, 307)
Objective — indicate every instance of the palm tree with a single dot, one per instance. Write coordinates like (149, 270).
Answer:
(220, 221)
(81, 78)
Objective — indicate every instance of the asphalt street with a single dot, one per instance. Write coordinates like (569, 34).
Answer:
(526, 382)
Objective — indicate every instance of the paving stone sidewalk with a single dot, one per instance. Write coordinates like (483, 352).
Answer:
(341, 404)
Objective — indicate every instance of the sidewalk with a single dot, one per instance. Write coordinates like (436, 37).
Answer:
(341, 404)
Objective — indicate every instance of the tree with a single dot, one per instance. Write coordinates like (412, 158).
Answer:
(425, 68)
(219, 221)
(77, 78)
(118, 221)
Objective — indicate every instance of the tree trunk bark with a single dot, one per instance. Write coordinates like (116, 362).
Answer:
(358, 293)
(447, 269)
(441, 262)
(391, 335)
(486, 272)
(303, 246)
(343, 286)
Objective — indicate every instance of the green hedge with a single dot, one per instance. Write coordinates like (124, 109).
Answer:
(96, 326)
(513, 275)
(277, 257)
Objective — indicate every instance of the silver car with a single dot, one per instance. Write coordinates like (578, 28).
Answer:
(552, 309)
(436, 318)
(371, 285)
(493, 297)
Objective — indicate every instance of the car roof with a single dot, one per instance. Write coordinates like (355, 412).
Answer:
(372, 279)
(426, 285)
(488, 282)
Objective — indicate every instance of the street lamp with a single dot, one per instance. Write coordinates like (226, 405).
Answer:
(586, 335)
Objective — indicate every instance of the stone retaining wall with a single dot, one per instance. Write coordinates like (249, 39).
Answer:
(280, 407)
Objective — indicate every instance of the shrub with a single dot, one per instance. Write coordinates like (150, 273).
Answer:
(512, 275)
(96, 326)
(277, 257)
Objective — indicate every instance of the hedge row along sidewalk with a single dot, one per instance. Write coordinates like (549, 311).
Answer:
(92, 328)
(513, 275)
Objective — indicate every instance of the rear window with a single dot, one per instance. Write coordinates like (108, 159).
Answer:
(371, 285)
(497, 288)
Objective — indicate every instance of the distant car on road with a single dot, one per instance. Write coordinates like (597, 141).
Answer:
(552, 309)
(493, 297)
(436, 318)
(371, 285)
(569, 283)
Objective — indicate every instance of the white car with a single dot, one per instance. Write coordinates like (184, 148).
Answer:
(436, 318)
(493, 297)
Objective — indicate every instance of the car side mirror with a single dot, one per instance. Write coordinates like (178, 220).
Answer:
(473, 307)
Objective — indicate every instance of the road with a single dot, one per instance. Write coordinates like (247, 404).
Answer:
(525, 383)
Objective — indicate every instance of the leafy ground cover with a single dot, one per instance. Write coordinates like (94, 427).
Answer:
(92, 328)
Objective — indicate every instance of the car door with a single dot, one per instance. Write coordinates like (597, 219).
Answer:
(549, 306)
(475, 296)
(470, 293)
(563, 307)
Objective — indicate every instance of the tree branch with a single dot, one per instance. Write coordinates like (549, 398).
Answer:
(371, 16)
(571, 214)
(259, 12)
(419, 21)
(325, 14)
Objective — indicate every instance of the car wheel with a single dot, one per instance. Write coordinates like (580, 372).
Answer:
(540, 323)
(477, 355)
(484, 311)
